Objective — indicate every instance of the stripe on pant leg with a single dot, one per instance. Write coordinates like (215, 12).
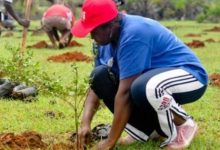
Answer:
(171, 133)
(169, 122)
(165, 119)
(186, 87)
(135, 133)
(179, 83)
(170, 79)
(179, 110)
(134, 136)
(176, 82)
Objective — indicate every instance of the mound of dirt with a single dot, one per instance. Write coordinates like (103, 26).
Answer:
(63, 146)
(192, 35)
(69, 57)
(40, 44)
(215, 79)
(214, 29)
(74, 43)
(44, 44)
(196, 44)
(210, 40)
(30, 140)
(26, 140)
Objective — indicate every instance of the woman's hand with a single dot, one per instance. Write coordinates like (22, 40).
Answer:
(84, 136)
(104, 145)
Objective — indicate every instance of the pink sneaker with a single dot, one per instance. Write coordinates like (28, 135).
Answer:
(185, 134)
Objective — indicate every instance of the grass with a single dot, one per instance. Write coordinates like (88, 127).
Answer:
(17, 116)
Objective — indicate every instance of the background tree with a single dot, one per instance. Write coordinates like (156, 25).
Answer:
(202, 10)
(175, 9)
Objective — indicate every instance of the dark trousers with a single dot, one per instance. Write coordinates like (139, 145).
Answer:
(143, 118)
(147, 94)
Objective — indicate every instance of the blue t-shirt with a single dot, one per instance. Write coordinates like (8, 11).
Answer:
(145, 44)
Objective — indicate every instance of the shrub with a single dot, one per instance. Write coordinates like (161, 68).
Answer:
(25, 70)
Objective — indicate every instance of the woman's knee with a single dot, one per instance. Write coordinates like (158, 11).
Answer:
(98, 76)
(101, 83)
(98, 72)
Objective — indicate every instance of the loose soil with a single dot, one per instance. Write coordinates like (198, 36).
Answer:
(215, 79)
(196, 44)
(210, 40)
(214, 29)
(44, 44)
(40, 44)
(74, 43)
(30, 140)
(192, 35)
(69, 57)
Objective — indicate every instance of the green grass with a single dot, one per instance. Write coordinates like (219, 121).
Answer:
(17, 116)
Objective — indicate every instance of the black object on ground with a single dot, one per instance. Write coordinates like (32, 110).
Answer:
(99, 132)
(14, 90)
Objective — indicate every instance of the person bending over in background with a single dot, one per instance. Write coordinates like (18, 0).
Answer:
(6, 6)
(143, 73)
(58, 18)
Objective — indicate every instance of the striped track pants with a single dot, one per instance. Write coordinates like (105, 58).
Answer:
(155, 95)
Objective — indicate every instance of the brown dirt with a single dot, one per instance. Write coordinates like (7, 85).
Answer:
(210, 40)
(63, 146)
(30, 140)
(8, 34)
(196, 44)
(69, 57)
(74, 43)
(192, 35)
(40, 44)
(215, 79)
(26, 140)
(214, 29)
(44, 44)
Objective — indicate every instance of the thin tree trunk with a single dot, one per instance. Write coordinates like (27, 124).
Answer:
(24, 34)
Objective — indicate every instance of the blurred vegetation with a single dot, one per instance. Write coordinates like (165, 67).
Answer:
(200, 10)
(39, 6)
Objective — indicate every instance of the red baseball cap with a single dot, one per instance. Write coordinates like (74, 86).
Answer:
(94, 13)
